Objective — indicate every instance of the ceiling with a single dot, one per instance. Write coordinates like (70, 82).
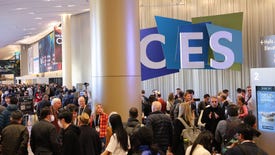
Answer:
(23, 19)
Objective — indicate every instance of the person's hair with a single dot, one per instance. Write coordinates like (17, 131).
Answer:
(156, 106)
(250, 120)
(13, 100)
(181, 94)
(206, 95)
(225, 91)
(83, 98)
(158, 94)
(178, 89)
(84, 118)
(241, 99)
(186, 113)
(223, 96)
(190, 91)
(133, 112)
(66, 115)
(142, 91)
(239, 90)
(144, 136)
(232, 110)
(55, 100)
(16, 115)
(45, 112)
(204, 139)
(118, 129)
(246, 130)
(248, 87)
(187, 93)
(45, 96)
(152, 98)
(171, 97)
(71, 107)
(243, 91)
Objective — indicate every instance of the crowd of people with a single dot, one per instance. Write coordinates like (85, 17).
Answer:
(67, 124)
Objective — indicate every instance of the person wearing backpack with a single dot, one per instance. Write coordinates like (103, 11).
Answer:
(186, 114)
(133, 123)
(143, 143)
(226, 129)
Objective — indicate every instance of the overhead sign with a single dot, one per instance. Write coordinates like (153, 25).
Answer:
(213, 42)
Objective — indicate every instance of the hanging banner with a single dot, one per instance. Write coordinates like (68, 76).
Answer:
(212, 42)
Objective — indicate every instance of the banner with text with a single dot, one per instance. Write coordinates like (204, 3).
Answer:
(212, 42)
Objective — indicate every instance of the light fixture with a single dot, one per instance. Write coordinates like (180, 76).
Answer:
(29, 29)
(19, 9)
(71, 5)
(38, 18)
(31, 13)
(58, 6)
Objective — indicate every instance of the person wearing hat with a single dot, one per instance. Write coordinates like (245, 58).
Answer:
(15, 136)
(89, 139)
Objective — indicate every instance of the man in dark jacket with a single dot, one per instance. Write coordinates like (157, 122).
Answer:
(212, 115)
(5, 115)
(44, 135)
(246, 146)
(44, 103)
(15, 136)
(161, 125)
(89, 139)
(133, 123)
(70, 134)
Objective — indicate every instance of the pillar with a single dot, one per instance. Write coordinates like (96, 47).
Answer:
(116, 81)
(66, 51)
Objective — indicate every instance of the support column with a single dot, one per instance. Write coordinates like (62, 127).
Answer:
(66, 51)
(116, 81)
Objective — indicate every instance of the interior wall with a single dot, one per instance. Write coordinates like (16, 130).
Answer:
(81, 48)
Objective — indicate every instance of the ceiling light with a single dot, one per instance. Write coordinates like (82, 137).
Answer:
(54, 23)
(86, 10)
(48, 0)
(29, 29)
(20, 9)
(58, 6)
(31, 13)
(38, 18)
(71, 5)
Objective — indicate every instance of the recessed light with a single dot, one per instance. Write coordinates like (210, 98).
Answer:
(85, 10)
(38, 18)
(31, 13)
(71, 5)
(58, 6)
(48, 0)
(19, 9)
(29, 29)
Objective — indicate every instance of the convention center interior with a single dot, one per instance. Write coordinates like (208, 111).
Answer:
(137, 77)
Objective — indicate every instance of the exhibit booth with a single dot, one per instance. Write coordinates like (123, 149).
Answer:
(263, 92)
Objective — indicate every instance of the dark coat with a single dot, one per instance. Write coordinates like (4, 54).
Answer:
(132, 126)
(211, 123)
(70, 140)
(161, 125)
(15, 139)
(177, 146)
(5, 115)
(89, 141)
(245, 149)
(44, 138)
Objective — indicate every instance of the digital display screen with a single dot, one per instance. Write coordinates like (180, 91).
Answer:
(266, 107)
